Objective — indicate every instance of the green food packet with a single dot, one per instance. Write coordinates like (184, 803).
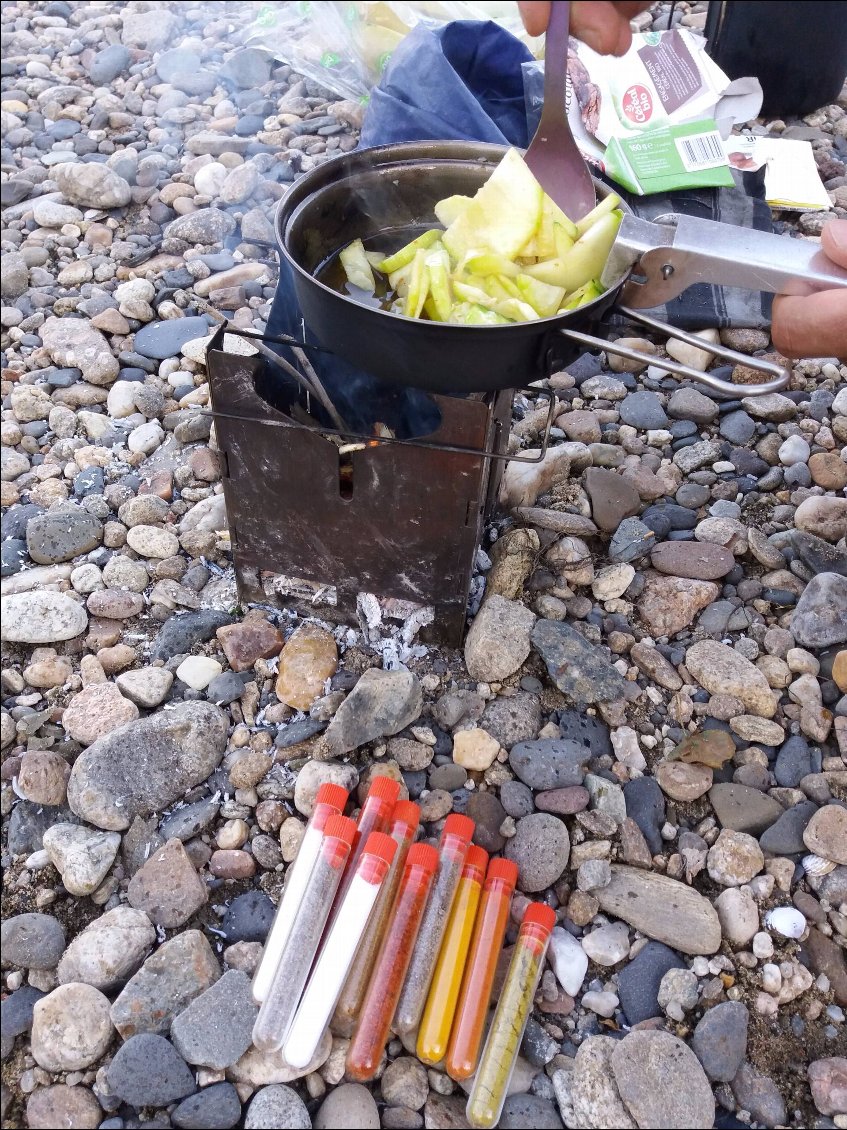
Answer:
(669, 157)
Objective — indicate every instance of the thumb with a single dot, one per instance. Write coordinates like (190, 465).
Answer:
(834, 241)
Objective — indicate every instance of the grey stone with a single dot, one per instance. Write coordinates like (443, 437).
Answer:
(513, 718)
(190, 820)
(593, 1093)
(206, 226)
(61, 534)
(215, 1030)
(662, 908)
(32, 941)
(247, 67)
(613, 498)
(639, 981)
(181, 634)
(248, 918)
(540, 848)
(793, 762)
(720, 1040)
(108, 64)
(661, 1082)
(216, 1107)
(644, 410)
(758, 1094)
(577, 667)
(497, 642)
(744, 809)
(16, 1014)
(92, 185)
(549, 763)
(41, 617)
(14, 275)
(523, 1111)
(737, 427)
(277, 1108)
(820, 618)
(689, 404)
(28, 823)
(381, 704)
(819, 555)
(785, 835)
(352, 1105)
(146, 765)
(163, 339)
(632, 539)
(148, 1071)
(645, 804)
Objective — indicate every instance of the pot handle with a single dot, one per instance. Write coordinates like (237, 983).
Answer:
(781, 375)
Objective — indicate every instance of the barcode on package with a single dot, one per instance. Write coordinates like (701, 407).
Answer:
(701, 151)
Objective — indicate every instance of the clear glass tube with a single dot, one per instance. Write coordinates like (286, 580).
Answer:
(437, 1020)
(514, 1009)
(330, 801)
(289, 980)
(374, 1024)
(455, 840)
(404, 825)
(374, 817)
(338, 951)
(480, 969)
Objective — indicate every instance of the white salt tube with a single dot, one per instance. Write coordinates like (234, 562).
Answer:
(338, 952)
(330, 801)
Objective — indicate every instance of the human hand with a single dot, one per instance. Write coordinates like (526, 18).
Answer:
(601, 24)
(815, 325)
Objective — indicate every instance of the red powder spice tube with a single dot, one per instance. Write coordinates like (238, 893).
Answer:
(434, 1032)
(389, 972)
(453, 848)
(280, 1004)
(475, 993)
(404, 825)
(330, 801)
(374, 817)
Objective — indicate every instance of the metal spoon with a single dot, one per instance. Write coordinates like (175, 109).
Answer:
(553, 155)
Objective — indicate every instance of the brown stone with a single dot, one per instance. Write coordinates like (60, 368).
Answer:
(43, 777)
(248, 641)
(61, 1105)
(309, 658)
(564, 802)
(634, 846)
(51, 671)
(612, 498)
(117, 658)
(710, 747)
(167, 888)
(115, 604)
(828, 958)
(582, 908)
(701, 561)
(669, 604)
(683, 781)
(232, 863)
(250, 769)
(839, 671)
(96, 711)
(825, 834)
(102, 633)
(160, 483)
(828, 470)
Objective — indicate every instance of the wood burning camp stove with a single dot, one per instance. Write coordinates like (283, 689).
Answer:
(315, 522)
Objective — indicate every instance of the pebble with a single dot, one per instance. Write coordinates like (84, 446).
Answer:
(818, 620)
(721, 670)
(216, 1107)
(549, 763)
(720, 1040)
(148, 1071)
(826, 833)
(80, 855)
(109, 950)
(474, 749)
(216, 1028)
(198, 671)
(277, 1106)
(734, 858)
(660, 1080)
(756, 1093)
(701, 561)
(71, 1028)
(96, 711)
(606, 945)
(640, 978)
(498, 641)
(576, 667)
(61, 1105)
(147, 687)
(381, 704)
(32, 941)
(683, 782)
(167, 888)
(612, 497)
(41, 618)
(540, 848)
(661, 908)
(569, 960)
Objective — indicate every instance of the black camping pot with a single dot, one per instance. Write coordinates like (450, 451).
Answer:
(393, 188)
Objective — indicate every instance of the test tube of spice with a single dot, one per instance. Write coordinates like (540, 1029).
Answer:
(489, 931)
(374, 817)
(372, 1030)
(330, 801)
(437, 1021)
(279, 1006)
(510, 1017)
(455, 840)
(404, 825)
(338, 950)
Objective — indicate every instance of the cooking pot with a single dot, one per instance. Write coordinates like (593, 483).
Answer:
(391, 191)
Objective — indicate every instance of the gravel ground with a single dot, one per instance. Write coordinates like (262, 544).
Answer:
(649, 717)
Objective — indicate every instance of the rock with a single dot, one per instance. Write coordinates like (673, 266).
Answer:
(606, 796)
(639, 981)
(146, 686)
(522, 483)
(41, 617)
(540, 848)
(152, 541)
(577, 667)
(819, 555)
(148, 1071)
(197, 671)
(381, 703)
(317, 773)
(721, 670)
(720, 1040)
(14, 278)
(216, 1028)
(520, 1111)
(404, 1083)
(785, 835)
(351, 1104)
(216, 1107)
(32, 941)
(181, 633)
(826, 833)
(167, 982)
(690, 404)
(631, 540)
(773, 407)
(662, 908)
(738, 915)
(760, 731)
(109, 950)
(549, 763)
(683, 782)
(756, 1093)
(593, 1093)
(612, 581)
(661, 1081)
(61, 1105)
(205, 226)
(734, 858)
(163, 339)
(108, 64)
(498, 640)
(568, 959)
(828, 958)
(820, 617)
(277, 1106)
(612, 497)
(643, 410)
(308, 659)
(828, 1083)
(96, 711)
(70, 1028)
(146, 765)
(744, 809)
(75, 343)
(167, 888)
(702, 561)
(81, 856)
(513, 557)
(61, 534)
(248, 641)
(474, 749)
(828, 470)
(667, 605)
(258, 1069)
(823, 516)
(607, 945)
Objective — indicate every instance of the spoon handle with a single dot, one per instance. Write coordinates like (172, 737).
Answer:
(556, 60)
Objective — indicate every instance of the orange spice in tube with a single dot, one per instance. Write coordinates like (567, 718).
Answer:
(514, 1008)
(480, 969)
(330, 801)
(404, 825)
(374, 1026)
(434, 1032)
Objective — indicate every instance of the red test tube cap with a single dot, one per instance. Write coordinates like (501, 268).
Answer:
(380, 845)
(503, 869)
(477, 857)
(461, 826)
(539, 914)
(384, 788)
(408, 812)
(334, 795)
(341, 828)
(422, 855)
